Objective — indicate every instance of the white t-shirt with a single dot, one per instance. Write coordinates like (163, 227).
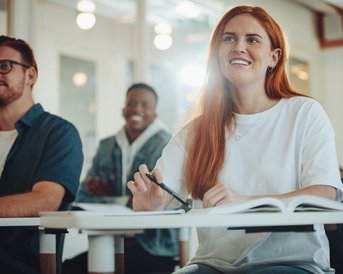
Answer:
(7, 139)
(285, 148)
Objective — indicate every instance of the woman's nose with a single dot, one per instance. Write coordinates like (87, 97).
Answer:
(239, 47)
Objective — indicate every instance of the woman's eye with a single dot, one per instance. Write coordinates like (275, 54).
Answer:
(252, 40)
(228, 38)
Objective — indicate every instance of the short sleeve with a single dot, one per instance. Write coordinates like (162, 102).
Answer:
(62, 159)
(320, 165)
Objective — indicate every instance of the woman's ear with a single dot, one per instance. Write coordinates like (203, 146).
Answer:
(275, 57)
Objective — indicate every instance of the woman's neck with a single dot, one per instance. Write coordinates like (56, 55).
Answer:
(251, 102)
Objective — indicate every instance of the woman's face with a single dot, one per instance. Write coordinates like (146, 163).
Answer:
(245, 52)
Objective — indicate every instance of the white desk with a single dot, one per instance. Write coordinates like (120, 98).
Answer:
(102, 226)
(34, 221)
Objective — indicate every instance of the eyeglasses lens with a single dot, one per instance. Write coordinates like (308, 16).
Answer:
(5, 67)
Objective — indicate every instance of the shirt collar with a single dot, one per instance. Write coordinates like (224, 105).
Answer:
(31, 116)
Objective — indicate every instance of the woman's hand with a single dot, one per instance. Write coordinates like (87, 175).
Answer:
(221, 194)
(146, 194)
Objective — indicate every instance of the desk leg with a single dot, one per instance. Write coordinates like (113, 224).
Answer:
(47, 250)
(119, 254)
(101, 254)
(183, 245)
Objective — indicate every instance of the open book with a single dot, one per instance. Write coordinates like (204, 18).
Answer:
(269, 204)
(117, 209)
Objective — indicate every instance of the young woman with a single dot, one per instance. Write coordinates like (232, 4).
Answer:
(255, 136)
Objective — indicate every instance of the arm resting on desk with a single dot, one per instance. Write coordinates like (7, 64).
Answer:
(45, 196)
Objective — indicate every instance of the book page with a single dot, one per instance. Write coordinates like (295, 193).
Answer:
(160, 212)
(103, 207)
(265, 204)
(311, 203)
(270, 204)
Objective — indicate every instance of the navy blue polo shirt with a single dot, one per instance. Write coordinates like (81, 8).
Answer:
(47, 148)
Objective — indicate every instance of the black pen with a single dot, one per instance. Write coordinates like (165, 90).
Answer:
(170, 191)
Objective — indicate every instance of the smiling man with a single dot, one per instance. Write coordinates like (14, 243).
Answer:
(141, 140)
(40, 157)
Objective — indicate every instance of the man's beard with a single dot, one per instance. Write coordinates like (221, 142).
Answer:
(8, 96)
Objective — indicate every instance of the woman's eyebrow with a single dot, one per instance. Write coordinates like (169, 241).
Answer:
(229, 33)
(247, 35)
(253, 35)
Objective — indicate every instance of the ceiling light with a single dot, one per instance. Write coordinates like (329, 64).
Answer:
(188, 9)
(163, 28)
(302, 75)
(85, 20)
(163, 41)
(80, 79)
(85, 6)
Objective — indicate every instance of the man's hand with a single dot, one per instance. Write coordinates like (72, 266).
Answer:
(97, 187)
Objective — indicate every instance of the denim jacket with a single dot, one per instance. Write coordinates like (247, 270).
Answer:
(107, 165)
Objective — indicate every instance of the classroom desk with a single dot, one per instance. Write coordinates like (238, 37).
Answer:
(47, 242)
(29, 222)
(102, 226)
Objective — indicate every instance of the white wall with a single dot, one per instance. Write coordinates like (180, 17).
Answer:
(333, 92)
(3, 24)
(107, 45)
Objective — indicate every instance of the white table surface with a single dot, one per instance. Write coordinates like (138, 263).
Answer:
(100, 226)
(30, 221)
(105, 221)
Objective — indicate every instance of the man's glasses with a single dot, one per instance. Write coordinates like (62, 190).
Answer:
(7, 65)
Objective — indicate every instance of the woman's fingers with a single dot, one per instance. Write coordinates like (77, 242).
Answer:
(221, 194)
(138, 185)
(146, 194)
(214, 195)
(132, 187)
(217, 195)
(143, 169)
(156, 172)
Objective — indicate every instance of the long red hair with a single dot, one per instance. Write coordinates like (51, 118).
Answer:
(206, 142)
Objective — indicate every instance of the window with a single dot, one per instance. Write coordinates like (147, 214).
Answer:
(299, 76)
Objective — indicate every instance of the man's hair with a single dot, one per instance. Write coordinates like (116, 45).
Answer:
(142, 86)
(22, 47)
